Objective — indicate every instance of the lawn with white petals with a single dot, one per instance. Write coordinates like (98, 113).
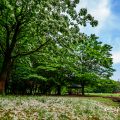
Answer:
(55, 108)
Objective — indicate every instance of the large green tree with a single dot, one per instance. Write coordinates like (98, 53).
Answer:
(26, 26)
(47, 69)
(93, 60)
(55, 66)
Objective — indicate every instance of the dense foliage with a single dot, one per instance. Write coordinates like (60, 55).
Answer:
(43, 51)
(104, 86)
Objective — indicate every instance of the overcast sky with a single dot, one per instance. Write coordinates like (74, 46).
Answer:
(107, 12)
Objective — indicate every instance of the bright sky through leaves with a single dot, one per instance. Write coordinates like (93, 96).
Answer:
(108, 30)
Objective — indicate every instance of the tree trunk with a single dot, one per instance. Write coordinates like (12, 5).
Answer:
(58, 90)
(2, 83)
(4, 73)
(83, 92)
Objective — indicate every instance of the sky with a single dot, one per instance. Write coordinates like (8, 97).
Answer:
(107, 12)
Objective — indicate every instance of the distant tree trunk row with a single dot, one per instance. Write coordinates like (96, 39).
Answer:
(29, 87)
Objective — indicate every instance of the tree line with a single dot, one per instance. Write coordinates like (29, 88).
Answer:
(42, 49)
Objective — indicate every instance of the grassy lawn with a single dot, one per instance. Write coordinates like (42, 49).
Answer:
(105, 101)
(104, 94)
(57, 108)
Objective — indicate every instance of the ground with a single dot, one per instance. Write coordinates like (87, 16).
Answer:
(58, 108)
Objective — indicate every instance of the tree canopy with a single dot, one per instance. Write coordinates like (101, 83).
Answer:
(41, 42)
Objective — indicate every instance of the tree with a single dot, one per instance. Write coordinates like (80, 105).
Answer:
(29, 25)
(105, 86)
(54, 65)
(93, 61)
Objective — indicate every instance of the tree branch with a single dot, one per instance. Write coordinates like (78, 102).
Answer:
(20, 13)
(32, 51)
(14, 38)
(2, 49)
(7, 36)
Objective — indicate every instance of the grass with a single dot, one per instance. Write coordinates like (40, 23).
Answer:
(57, 108)
(104, 94)
(106, 101)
